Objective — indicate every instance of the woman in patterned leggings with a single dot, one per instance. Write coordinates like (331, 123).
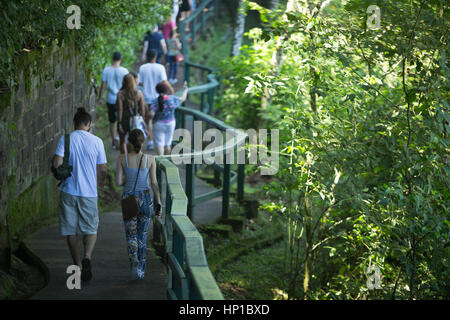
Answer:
(127, 175)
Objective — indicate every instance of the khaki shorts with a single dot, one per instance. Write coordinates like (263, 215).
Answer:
(77, 215)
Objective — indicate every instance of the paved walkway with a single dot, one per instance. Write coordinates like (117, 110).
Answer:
(110, 262)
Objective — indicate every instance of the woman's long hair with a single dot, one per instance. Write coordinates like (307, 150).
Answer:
(136, 139)
(163, 88)
(129, 88)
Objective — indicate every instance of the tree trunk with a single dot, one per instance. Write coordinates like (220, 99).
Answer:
(238, 29)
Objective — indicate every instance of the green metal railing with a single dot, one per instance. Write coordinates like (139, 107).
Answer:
(188, 271)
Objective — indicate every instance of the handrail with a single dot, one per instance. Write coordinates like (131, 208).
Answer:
(189, 274)
(183, 244)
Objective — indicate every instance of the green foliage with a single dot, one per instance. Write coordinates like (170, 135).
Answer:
(33, 26)
(363, 120)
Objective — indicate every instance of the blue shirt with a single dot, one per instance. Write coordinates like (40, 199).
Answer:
(86, 151)
(168, 114)
(113, 78)
(154, 41)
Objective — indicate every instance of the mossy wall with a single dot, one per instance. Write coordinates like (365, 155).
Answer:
(33, 208)
(33, 116)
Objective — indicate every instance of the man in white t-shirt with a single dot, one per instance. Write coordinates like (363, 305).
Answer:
(150, 74)
(112, 78)
(78, 211)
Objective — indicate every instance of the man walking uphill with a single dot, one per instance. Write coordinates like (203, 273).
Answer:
(78, 212)
(151, 74)
(112, 77)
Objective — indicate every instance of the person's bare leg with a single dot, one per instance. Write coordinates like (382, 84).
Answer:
(159, 150)
(89, 244)
(122, 143)
(113, 132)
(74, 248)
(150, 130)
(167, 150)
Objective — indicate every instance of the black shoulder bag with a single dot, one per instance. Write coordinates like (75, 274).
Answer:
(130, 207)
(64, 171)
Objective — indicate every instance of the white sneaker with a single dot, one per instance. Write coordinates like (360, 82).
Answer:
(174, 81)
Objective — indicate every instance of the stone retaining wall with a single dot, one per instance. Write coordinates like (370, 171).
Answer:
(39, 112)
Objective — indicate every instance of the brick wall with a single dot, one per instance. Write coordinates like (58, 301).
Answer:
(33, 122)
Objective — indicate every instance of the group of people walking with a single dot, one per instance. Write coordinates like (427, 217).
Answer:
(140, 105)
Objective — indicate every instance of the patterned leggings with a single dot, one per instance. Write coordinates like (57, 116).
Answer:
(136, 232)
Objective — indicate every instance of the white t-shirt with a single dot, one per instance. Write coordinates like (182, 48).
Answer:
(151, 74)
(113, 78)
(86, 151)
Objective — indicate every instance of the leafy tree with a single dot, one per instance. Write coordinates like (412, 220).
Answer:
(363, 117)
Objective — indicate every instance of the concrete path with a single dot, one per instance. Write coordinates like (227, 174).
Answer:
(110, 266)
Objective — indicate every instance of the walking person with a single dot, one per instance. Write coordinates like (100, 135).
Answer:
(133, 171)
(130, 103)
(78, 211)
(168, 26)
(175, 9)
(150, 75)
(174, 46)
(163, 115)
(154, 41)
(112, 77)
(185, 11)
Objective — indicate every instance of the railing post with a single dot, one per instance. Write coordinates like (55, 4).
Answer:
(190, 173)
(193, 30)
(202, 102)
(186, 72)
(240, 182)
(216, 177)
(226, 188)
(203, 21)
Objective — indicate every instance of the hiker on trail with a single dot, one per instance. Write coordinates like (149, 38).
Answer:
(175, 9)
(150, 75)
(133, 171)
(78, 211)
(130, 107)
(167, 27)
(162, 111)
(154, 40)
(174, 46)
(185, 12)
(112, 77)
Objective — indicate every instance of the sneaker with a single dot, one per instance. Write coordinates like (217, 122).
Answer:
(150, 146)
(86, 272)
(174, 81)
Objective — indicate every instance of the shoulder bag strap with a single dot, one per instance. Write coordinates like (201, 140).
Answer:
(137, 175)
(66, 148)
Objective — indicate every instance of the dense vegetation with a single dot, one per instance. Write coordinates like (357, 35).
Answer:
(364, 120)
(30, 27)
